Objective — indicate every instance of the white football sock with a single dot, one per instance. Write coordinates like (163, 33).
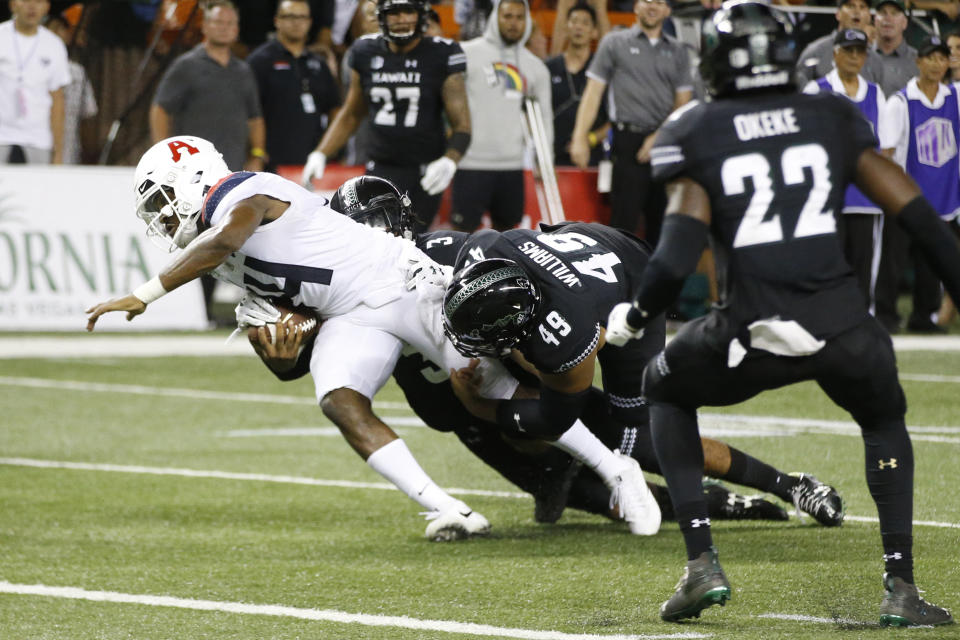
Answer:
(394, 462)
(580, 443)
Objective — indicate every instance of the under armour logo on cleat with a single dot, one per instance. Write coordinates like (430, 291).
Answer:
(887, 464)
(896, 555)
(516, 418)
(696, 523)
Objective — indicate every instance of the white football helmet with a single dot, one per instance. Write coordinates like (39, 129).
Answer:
(170, 183)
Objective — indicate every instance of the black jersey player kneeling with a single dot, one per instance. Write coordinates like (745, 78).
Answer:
(762, 171)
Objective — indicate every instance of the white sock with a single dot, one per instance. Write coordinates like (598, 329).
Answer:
(394, 462)
(580, 443)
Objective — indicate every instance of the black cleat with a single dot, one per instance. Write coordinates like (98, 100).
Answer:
(550, 502)
(902, 606)
(702, 585)
(723, 504)
(818, 500)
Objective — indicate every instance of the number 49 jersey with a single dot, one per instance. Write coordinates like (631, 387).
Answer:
(581, 271)
(404, 93)
(776, 169)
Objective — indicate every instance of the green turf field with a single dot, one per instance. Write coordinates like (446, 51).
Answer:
(261, 542)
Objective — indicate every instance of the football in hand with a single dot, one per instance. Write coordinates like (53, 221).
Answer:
(291, 317)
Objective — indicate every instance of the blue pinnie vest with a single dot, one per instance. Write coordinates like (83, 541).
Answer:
(932, 154)
(854, 200)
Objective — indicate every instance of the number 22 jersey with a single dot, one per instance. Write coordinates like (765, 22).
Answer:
(776, 169)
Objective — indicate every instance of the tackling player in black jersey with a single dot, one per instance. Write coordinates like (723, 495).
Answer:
(404, 82)
(552, 477)
(762, 171)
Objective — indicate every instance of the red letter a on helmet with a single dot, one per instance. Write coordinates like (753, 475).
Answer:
(175, 147)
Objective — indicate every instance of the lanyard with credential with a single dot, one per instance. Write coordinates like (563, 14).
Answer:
(21, 66)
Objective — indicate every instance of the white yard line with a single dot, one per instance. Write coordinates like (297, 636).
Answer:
(714, 424)
(321, 615)
(344, 484)
(230, 475)
(106, 345)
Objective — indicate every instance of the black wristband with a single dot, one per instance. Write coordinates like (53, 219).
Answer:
(459, 141)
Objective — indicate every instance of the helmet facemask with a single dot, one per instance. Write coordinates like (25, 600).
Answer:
(172, 179)
(386, 7)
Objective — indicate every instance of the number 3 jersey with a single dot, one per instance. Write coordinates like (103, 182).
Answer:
(776, 168)
(311, 254)
(581, 271)
(404, 94)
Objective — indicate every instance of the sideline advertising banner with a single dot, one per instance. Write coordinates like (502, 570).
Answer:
(69, 238)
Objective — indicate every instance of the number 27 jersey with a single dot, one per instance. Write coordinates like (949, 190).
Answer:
(776, 169)
(404, 94)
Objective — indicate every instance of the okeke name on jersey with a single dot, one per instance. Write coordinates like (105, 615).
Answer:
(404, 96)
(774, 207)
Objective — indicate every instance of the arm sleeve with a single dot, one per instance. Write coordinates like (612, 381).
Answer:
(548, 417)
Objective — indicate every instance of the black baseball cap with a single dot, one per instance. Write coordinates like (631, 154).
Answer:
(897, 3)
(933, 43)
(850, 38)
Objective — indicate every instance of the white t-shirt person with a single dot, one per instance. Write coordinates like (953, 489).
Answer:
(31, 69)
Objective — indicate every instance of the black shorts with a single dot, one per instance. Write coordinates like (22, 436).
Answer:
(857, 369)
(476, 192)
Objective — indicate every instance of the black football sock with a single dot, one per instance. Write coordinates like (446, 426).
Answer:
(750, 472)
(888, 457)
(676, 440)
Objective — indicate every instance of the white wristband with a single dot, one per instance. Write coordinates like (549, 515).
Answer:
(149, 290)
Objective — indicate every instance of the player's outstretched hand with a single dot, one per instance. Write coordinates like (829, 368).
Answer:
(131, 304)
(314, 167)
(618, 331)
(438, 174)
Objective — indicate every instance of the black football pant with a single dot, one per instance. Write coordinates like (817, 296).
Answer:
(856, 369)
(634, 195)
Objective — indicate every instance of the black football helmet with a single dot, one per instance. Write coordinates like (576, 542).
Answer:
(386, 6)
(744, 46)
(489, 308)
(375, 202)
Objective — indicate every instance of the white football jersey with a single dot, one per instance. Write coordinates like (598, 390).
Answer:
(310, 254)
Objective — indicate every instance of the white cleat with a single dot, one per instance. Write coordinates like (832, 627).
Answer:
(456, 522)
(632, 497)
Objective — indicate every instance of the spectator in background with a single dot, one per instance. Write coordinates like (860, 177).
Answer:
(210, 93)
(649, 77)
(925, 125)
(501, 72)
(33, 74)
(953, 72)
(79, 105)
(860, 228)
(298, 93)
(357, 149)
(899, 59)
(561, 26)
(472, 16)
(816, 60)
(899, 66)
(568, 76)
(405, 83)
